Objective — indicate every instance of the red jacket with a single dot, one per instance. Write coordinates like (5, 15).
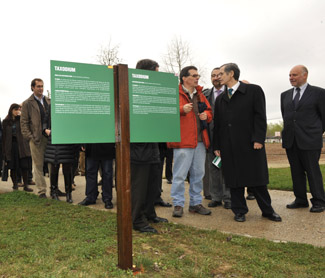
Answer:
(188, 122)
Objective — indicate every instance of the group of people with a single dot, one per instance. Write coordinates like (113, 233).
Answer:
(229, 121)
(226, 121)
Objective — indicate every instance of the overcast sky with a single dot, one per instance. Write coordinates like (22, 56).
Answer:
(265, 38)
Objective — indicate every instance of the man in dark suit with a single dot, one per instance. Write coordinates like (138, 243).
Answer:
(217, 188)
(239, 135)
(303, 112)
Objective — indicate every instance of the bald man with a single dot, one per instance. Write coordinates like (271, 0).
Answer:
(303, 112)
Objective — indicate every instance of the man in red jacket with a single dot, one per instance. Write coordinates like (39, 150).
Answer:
(189, 154)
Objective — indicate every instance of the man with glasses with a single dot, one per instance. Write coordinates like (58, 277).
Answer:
(217, 188)
(189, 154)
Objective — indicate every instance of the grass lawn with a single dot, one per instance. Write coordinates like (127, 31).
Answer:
(46, 238)
(280, 178)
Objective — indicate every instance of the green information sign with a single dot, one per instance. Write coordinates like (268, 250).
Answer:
(82, 103)
(154, 106)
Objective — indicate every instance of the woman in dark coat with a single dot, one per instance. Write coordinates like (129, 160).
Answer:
(16, 151)
(56, 154)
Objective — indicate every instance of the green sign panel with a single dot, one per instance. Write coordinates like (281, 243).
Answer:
(154, 106)
(82, 103)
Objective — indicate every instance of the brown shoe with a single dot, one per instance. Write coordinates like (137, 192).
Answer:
(199, 209)
(178, 211)
(31, 182)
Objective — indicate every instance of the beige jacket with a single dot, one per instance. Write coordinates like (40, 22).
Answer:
(30, 121)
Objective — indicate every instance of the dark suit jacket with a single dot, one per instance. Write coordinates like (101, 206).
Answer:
(306, 124)
(238, 123)
(210, 97)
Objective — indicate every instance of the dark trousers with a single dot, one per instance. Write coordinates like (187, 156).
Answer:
(92, 166)
(238, 201)
(143, 193)
(54, 176)
(165, 155)
(304, 162)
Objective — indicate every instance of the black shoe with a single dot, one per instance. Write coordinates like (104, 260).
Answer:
(27, 189)
(108, 205)
(60, 193)
(55, 196)
(239, 217)
(317, 209)
(86, 202)
(295, 205)
(42, 196)
(250, 197)
(214, 204)
(208, 197)
(163, 204)
(169, 182)
(147, 229)
(274, 217)
(15, 187)
(158, 220)
(69, 198)
(227, 205)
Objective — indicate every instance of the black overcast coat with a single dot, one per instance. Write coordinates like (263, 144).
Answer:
(238, 123)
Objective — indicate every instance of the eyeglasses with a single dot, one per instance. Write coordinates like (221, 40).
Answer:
(195, 75)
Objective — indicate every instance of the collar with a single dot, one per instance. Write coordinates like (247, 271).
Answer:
(188, 92)
(303, 87)
(235, 87)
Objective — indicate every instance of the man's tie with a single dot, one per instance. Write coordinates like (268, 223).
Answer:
(230, 93)
(296, 99)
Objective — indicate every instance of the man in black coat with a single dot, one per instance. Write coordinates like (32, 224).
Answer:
(303, 112)
(239, 134)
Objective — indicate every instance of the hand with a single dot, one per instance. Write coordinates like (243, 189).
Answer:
(217, 152)
(188, 107)
(203, 116)
(257, 146)
(48, 132)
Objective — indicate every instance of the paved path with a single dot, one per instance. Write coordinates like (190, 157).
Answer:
(298, 225)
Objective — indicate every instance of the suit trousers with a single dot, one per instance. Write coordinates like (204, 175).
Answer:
(218, 190)
(37, 152)
(92, 166)
(144, 188)
(238, 201)
(304, 162)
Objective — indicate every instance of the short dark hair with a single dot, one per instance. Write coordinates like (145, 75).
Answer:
(232, 67)
(217, 68)
(33, 83)
(147, 64)
(185, 72)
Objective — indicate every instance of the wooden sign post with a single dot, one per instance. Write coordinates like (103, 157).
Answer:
(123, 167)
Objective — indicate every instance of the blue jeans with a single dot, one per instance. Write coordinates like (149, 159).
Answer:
(188, 161)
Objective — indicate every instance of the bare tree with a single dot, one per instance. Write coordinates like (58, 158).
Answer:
(109, 54)
(178, 55)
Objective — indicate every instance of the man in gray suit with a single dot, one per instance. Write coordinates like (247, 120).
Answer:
(33, 113)
(303, 112)
(218, 191)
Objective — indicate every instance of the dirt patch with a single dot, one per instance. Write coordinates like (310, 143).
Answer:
(277, 158)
